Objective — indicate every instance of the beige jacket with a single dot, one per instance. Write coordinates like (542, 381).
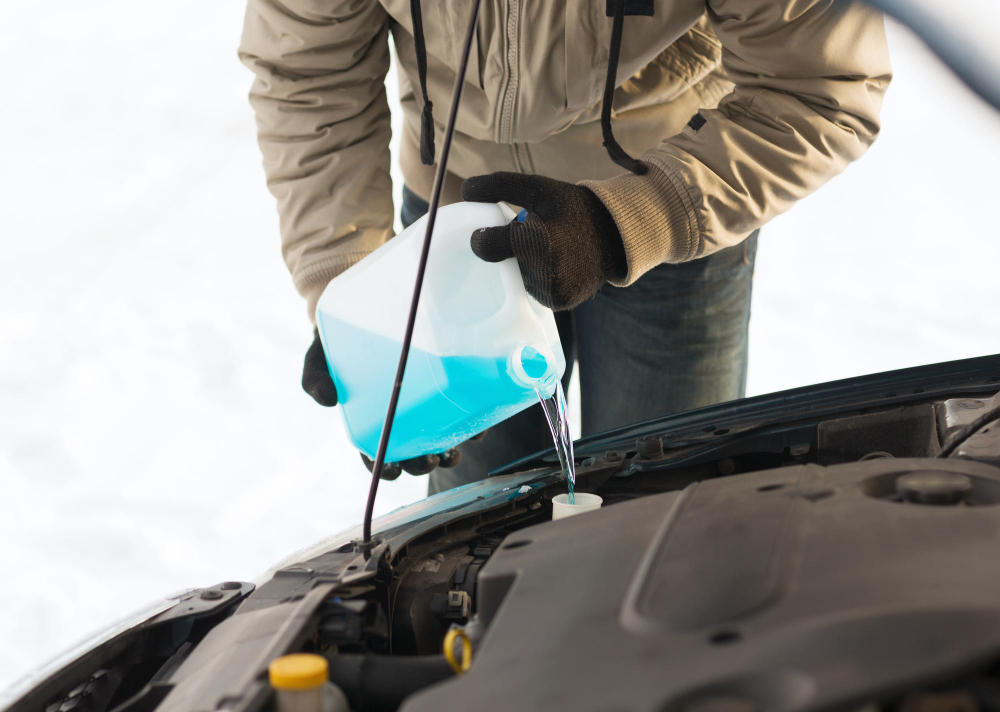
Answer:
(790, 91)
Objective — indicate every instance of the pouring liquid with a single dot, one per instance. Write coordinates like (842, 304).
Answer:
(556, 415)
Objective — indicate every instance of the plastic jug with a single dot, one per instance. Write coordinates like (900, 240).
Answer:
(481, 344)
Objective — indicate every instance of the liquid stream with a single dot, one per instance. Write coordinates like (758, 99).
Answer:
(556, 414)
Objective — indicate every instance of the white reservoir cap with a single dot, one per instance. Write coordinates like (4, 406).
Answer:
(561, 508)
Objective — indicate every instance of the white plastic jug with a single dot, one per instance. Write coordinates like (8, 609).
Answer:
(481, 344)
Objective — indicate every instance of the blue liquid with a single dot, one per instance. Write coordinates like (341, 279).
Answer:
(444, 400)
(557, 415)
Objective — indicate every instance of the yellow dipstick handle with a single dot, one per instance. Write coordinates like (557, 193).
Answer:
(449, 650)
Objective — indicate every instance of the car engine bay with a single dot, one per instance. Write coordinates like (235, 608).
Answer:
(827, 562)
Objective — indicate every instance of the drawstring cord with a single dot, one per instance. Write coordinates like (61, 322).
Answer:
(615, 151)
(427, 114)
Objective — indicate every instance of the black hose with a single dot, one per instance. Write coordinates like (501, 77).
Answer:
(449, 131)
(380, 683)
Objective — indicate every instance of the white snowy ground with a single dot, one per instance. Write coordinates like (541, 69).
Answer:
(152, 432)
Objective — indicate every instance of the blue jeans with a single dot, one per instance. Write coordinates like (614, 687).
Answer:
(674, 340)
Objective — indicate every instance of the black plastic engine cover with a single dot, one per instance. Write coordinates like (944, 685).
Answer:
(803, 588)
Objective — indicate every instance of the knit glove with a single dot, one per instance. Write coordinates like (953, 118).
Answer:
(567, 247)
(316, 381)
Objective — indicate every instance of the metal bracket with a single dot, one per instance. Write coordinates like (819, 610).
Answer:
(957, 413)
(200, 602)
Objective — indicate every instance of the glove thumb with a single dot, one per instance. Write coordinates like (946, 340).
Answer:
(493, 244)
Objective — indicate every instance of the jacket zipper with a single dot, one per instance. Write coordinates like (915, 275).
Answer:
(509, 98)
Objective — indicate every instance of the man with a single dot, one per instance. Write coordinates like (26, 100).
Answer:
(737, 108)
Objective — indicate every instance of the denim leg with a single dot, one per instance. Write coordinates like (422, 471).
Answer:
(674, 340)
(413, 208)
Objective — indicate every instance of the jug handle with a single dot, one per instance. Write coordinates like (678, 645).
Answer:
(510, 273)
(507, 212)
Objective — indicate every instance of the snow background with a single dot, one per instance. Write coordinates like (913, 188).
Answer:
(152, 431)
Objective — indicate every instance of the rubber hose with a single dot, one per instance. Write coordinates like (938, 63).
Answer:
(380, 683)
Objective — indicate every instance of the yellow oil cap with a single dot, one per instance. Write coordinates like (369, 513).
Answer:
(301, 671)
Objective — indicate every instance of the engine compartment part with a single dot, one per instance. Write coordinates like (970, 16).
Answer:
(583, 502)
(461, 661)
(956, 422)
(301, 683)
(898, 432)
(380, 683)
(788, 589)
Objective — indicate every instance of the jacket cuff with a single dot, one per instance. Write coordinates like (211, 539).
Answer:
(655, 216)
(310, 281)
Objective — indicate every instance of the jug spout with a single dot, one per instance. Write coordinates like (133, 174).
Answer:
(531, 366)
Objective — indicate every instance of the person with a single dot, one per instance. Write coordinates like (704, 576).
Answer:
(736, 108)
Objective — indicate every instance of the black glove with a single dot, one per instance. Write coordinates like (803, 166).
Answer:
(316, 380)
(317, 383)
(567, 248)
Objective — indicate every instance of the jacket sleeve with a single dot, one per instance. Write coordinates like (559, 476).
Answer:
(323, 127)
(809, 78)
